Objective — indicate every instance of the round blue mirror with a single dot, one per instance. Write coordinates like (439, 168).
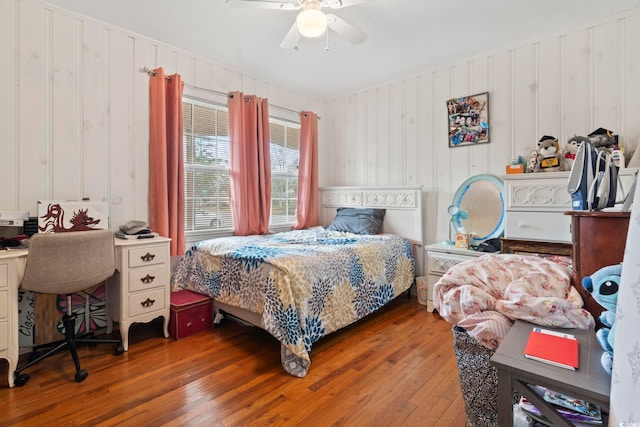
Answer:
(478, 207)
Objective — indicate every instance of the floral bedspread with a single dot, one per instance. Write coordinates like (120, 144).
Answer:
(305, 283)
(486, 295)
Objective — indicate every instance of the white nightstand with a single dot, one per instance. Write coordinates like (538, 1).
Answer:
(440, 258)
(139, 290)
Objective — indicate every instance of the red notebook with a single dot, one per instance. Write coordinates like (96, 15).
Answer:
(555, 348)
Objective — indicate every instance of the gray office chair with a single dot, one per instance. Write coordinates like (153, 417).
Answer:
(66, 263)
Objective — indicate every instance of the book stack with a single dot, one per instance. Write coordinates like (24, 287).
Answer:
(121, 235)
(135, 229)
(578, 411)
(552, 347)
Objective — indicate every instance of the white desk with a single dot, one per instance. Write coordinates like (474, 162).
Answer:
(12, 264)
(137, 292)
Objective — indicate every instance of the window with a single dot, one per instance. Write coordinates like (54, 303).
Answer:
(206, 168)
(285, 159)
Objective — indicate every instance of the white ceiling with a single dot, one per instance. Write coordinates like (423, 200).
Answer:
(405, 37)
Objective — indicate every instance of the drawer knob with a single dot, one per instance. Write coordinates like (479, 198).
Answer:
(147, 279)
(147, 257)
(147, 303)
(522, 225)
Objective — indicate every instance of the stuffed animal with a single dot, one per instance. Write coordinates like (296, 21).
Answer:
(549, 157)
(603, 140)
(569, 151)
(603, 285)
(531, 161)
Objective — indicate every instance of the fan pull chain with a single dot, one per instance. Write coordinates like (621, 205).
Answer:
(326, 46)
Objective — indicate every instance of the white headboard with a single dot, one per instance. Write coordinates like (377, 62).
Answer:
(403, 206)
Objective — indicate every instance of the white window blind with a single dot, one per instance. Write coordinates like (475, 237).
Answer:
(285, 160)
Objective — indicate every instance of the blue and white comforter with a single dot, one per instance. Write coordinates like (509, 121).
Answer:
(305, 283)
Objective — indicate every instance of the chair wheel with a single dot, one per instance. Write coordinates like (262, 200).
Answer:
(119, 349)
(81, 375)
(21, 380)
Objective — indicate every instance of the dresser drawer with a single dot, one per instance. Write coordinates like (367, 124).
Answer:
(543, 226)
(440, 263)
(146, 302)
(148, 255)
(4, 304)
(148, 277)
(4, 336)
(541, 192)
(4, 275)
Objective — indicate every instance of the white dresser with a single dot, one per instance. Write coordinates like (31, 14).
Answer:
(440, 258)
(139, 290)
(535, 205)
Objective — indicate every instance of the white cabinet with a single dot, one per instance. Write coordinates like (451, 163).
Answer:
(440, 258)
(535, 205)
(139, 290)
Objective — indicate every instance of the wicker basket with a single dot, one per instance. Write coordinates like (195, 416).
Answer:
(478, 380)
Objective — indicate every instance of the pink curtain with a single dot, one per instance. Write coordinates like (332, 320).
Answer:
(250, 169)
(308, 208)
(166, 168)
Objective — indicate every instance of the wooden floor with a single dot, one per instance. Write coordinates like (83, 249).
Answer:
(394, 368)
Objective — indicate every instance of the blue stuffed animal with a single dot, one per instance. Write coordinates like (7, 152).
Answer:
(603, 286)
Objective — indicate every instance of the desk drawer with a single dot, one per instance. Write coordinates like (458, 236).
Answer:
(146, 302)
(4, 304)
(4, 336)
(440, 263)
(147, 278)
(4, 275)
(544, 226)
(148, 255)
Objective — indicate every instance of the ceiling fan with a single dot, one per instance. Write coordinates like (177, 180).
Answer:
(311, 22)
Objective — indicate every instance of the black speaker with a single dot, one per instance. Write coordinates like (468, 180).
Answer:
(30, 226)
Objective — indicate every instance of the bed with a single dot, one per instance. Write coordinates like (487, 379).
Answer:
(302, 285)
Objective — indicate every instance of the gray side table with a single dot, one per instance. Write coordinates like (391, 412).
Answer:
(589, 382)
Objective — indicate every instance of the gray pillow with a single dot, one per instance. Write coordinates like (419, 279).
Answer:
(358, 220)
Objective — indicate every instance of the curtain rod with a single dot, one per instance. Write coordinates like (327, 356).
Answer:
(230, 95)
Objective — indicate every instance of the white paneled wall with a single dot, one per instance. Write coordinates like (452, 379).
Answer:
(74, 110)
(569, 83)
(74, 107)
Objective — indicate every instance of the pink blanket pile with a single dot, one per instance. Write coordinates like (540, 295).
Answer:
(486, 295)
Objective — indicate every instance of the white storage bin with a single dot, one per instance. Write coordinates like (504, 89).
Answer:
(422, 289)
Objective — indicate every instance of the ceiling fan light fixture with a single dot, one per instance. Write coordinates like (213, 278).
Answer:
(311, 23)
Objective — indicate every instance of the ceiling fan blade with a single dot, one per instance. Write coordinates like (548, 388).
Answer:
(345, 29)
(337, 4)
(265, 4)
(290, 41)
